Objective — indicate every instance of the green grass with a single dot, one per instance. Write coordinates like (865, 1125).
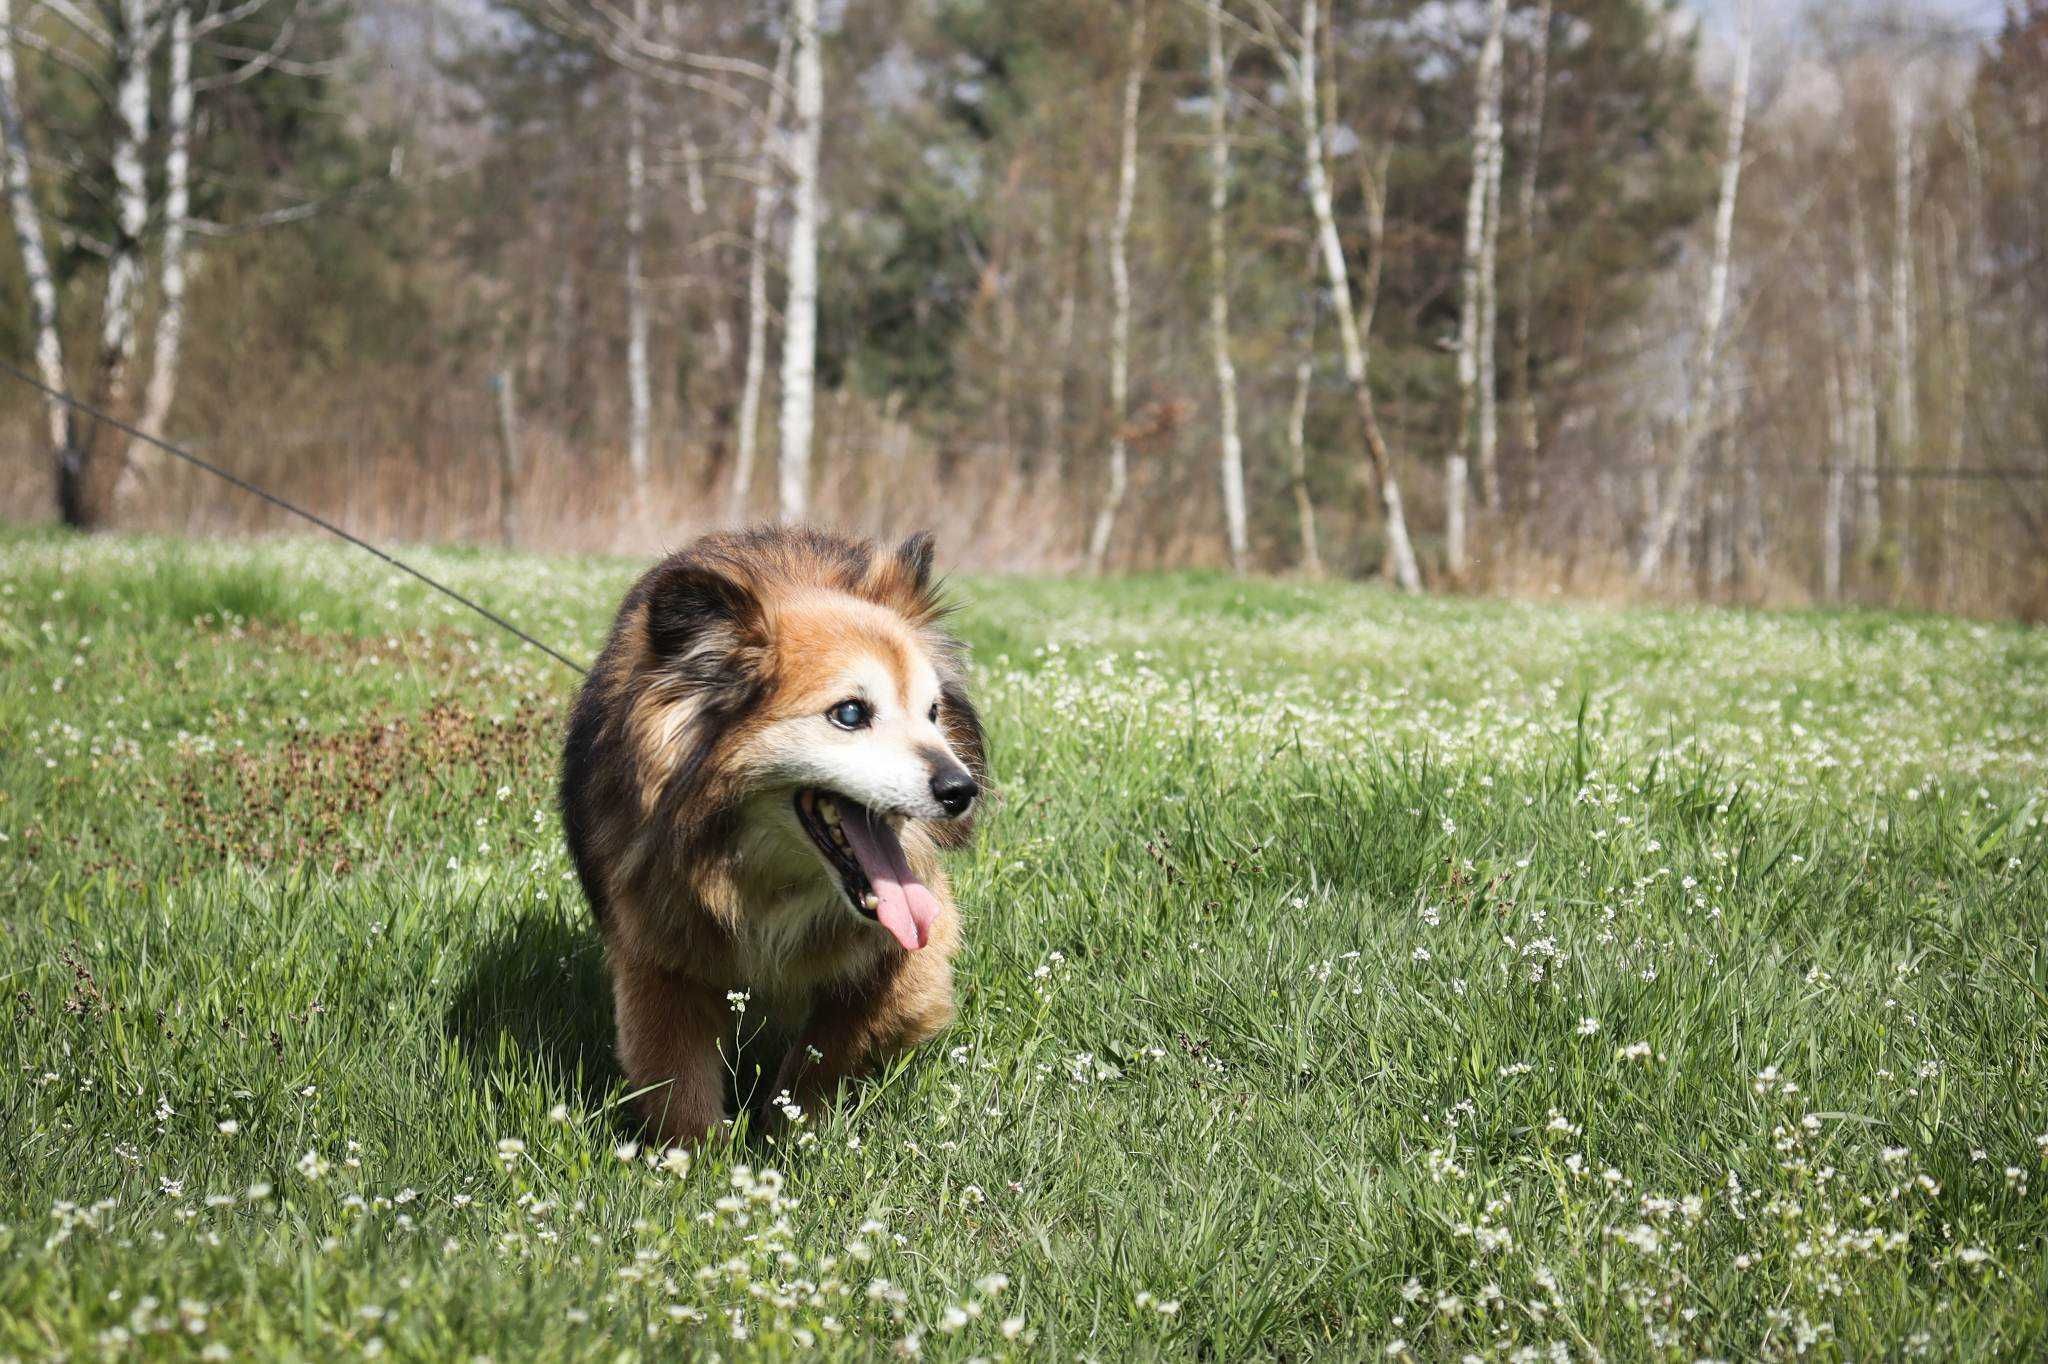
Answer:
(1345, 976)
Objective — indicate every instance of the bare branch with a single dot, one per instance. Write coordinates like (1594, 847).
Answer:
(632, 55)
(668, 52)
(71, 61)
(291, 213)
(220, 19)
(271, 58)
(91, 29)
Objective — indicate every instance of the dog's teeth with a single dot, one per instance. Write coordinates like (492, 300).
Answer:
(870, 901)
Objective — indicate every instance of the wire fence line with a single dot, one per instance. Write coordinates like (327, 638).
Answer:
(148, 438)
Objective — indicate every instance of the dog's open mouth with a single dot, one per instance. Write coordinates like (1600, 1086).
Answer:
(868, 857)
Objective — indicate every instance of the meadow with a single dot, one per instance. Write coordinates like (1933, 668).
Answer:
(1348, 976)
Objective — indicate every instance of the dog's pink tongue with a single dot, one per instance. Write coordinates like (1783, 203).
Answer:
(905, 906)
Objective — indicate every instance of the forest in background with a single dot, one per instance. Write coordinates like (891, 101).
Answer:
(1512, 295)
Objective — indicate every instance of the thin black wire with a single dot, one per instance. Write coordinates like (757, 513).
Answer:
(89, 410)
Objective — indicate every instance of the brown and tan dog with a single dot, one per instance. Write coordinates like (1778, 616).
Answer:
(759, 770)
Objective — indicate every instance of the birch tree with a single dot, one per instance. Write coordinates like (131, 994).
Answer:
(1297, 424)
(1702, 404)
(1863, 383)
(800, 312)
(1525, 216)
(1231, 452)
(1905, 432)
(1120, 296)
(1472, 286)
(89, 471)
(28, 237)
(1956, 340)
(1488, 440)
(1963, 257)
(94, 464)
(168, 344)
(767, 194)
(1379, 464)
(1052, 396)
(639, 397)
(1297, 460)
(1832, 508)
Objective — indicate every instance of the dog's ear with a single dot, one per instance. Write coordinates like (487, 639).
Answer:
(902, 581)
(701, 613)
(914, 560)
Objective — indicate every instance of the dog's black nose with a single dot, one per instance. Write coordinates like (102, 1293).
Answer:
(954, 789)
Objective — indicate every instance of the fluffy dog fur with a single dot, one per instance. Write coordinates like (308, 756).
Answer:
(709, 721)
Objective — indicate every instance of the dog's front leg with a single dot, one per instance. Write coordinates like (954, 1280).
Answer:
(669, 1030)
(849, 1033)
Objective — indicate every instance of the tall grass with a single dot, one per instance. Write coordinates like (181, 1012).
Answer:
(1346, 976)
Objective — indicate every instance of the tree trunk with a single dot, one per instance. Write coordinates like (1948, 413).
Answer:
(1956, 323)
(800, 314)
(1052, 417)
(1832, 508)
(1120, 299)
(1489, 296)
(1297, 465)
(1525, 275)
(1963, 258)
(1905, 432)
(1400, 552)
(1702, 404)
(1471, 285)
(1863, 387)
(766, 196)
(508, 457)
(35, 261)
(162, 386)
(639, 397)
(1231, 470)
(86, 483)
(1297, 427)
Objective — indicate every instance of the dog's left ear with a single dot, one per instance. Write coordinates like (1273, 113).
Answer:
(902, 580)
(914, 560)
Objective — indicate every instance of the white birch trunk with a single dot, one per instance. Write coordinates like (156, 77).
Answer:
(1963, 258)
(1526, 205)
(639, 395)
(1905, 432)
(1297, 463)
(162, 386)
(508, 456)
(1956, 323)
(131, 197)
(86, 484)
(1863, 385)
(1400, 551)
(1489, 295)
(1706, 370)
(1052, 419)
(28, 237)
(1231, 470)
(766, 195)
(800, 313)
(1471, 286)
(1120, 299)
(1832, 507)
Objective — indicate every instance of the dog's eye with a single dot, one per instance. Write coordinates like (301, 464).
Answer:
(935, 712)
(850, 714)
